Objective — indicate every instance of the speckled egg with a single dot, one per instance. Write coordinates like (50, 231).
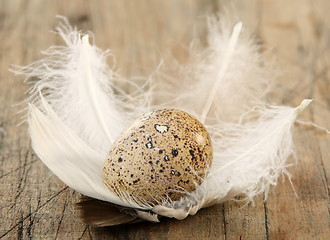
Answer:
(161, 155)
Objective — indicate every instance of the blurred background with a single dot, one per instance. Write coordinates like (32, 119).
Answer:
(34, 204)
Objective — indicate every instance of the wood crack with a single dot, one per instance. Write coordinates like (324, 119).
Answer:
(84, 232)
(224, 222)
(61, 218)
(17, 169)
(20, 228)
(26, 217)
(29, 227)
(266, 220)
(21, 181)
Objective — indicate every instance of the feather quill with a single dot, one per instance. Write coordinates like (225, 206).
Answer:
(252, 141)
(75, 115)
(228, 77)
(248, 159)
(68, 156)
(76, 83)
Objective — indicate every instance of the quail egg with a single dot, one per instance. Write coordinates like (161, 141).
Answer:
(162, 155)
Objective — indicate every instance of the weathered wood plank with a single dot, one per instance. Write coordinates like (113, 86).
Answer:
(294, 29)
(245, 222)
(36, 205)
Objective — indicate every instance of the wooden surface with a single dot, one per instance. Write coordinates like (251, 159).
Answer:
(34, 204)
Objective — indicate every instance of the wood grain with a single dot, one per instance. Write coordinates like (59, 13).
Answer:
(34, 204)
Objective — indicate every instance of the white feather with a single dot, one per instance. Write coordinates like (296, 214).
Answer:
(76, 82)
(228, 77)
(73, 126)
(228, 55)
(248, 159)
(69, 157)
(252, 141)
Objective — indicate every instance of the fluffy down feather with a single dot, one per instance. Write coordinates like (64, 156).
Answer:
(75, 115)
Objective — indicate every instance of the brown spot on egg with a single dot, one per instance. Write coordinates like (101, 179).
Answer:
(173, 152)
